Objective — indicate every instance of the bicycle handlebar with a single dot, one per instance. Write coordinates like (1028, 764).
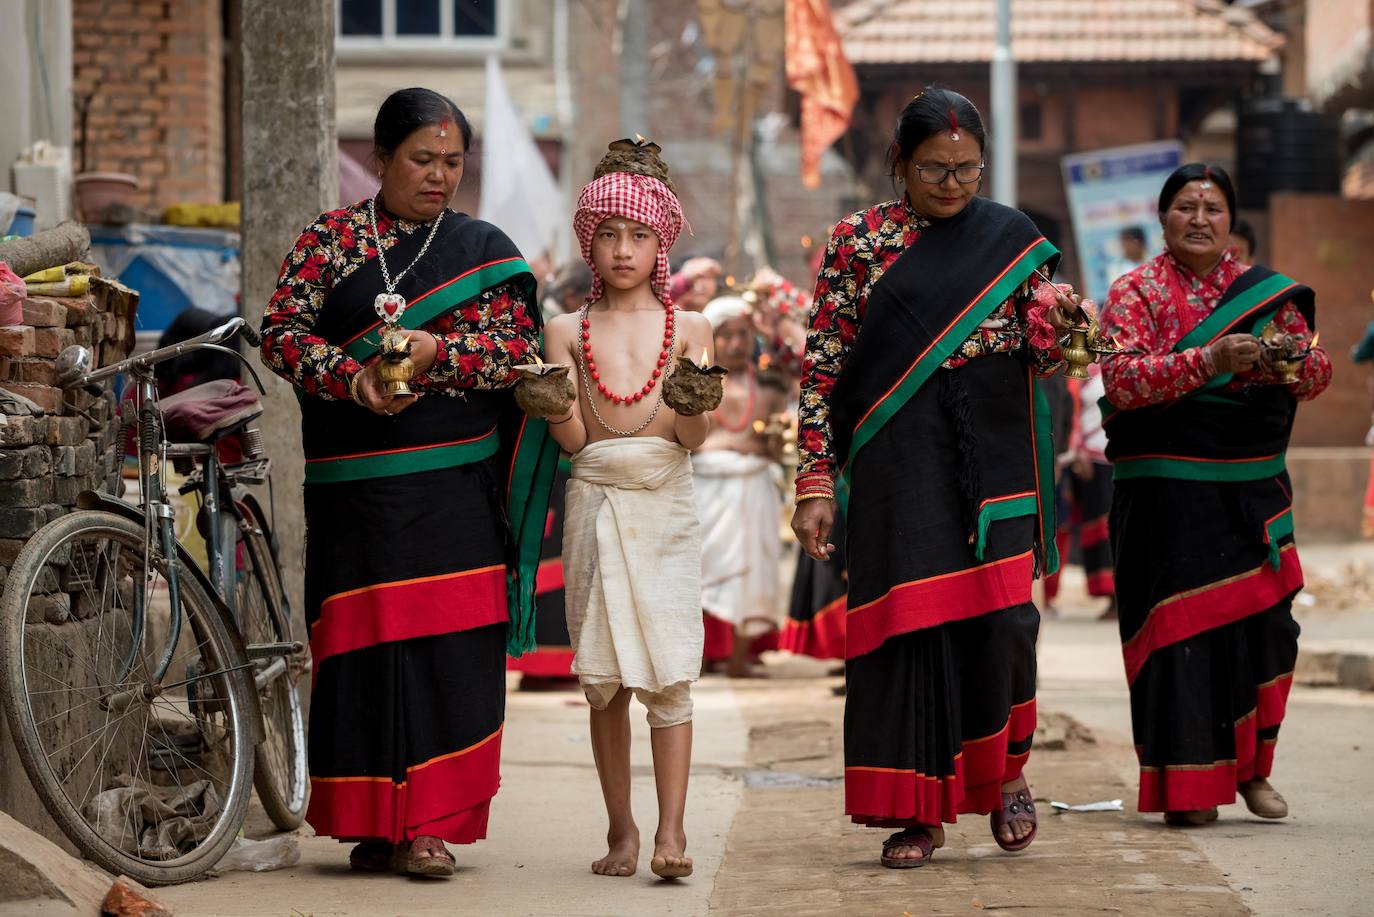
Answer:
(152, 358)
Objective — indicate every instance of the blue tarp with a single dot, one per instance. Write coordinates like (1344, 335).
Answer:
(172, 268)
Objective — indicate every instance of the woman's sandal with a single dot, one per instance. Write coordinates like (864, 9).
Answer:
(1190, 818)
(1263, 800)
(371, 856)
(1016, 806)
(430, 860)
(911, 837)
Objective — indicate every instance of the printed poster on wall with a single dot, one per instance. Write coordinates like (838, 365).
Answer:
(1114, 198)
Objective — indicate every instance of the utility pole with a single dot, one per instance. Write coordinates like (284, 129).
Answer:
(634, 67)
(1004, 111)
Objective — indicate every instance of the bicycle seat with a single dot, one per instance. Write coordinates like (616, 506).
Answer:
(205, 412)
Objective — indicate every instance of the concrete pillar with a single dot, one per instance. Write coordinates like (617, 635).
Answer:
(290, 176)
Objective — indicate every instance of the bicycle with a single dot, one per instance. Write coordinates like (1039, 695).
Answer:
(178, 682)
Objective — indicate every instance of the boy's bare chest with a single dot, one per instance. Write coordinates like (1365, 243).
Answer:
(628, 347)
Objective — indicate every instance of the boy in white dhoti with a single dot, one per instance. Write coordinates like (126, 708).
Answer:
(631, 542)
(736, 479)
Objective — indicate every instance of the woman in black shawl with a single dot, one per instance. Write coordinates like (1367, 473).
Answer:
(918, 409)
(1197, 415)
(424, 512)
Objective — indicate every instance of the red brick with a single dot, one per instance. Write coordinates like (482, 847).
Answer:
(45, 396)
(78, 308)
(66, 431)
(48, 342)
(16, 340)
(40, 371)
(128, 899)
(44, 313)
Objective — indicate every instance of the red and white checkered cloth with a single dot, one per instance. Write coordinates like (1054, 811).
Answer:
(635, 197)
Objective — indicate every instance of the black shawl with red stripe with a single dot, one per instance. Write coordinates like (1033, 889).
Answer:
(949, 475)
(1202, 495)
(343, 443)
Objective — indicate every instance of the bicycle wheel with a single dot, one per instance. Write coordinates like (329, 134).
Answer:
(149, 780)
(280, 772)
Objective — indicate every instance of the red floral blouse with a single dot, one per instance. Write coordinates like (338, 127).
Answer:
(478, 345)
(1150, 309)
(860, 250)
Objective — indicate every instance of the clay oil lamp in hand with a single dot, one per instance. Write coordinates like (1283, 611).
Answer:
(1085, 342)
(544, 389)
(693, 387)
(1285, 353)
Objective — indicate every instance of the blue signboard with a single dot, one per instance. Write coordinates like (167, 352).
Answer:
(1110, 192)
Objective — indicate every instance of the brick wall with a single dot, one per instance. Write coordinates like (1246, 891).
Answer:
(156, 68)
(1322, 240)
(49, 453)
(1338, 35)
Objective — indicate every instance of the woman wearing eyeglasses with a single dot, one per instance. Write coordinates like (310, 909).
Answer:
(919, 411)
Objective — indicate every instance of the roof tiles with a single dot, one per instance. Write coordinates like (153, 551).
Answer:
(964, 31)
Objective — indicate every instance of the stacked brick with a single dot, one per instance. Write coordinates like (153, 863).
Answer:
(54, 445)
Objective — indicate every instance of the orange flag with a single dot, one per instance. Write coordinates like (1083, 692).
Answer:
(818, 69)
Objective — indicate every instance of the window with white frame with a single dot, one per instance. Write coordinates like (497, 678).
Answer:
(422, 23)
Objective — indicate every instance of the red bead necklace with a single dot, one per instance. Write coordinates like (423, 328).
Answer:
(653, 377)
(747, 419)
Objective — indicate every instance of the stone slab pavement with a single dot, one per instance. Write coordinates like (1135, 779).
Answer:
(547, 825)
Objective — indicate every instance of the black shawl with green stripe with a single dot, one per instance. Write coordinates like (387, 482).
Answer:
(1207, 566)
(343, 443)
(949, 475)
(1214, 434)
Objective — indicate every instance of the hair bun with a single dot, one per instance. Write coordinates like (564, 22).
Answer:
(638, 157)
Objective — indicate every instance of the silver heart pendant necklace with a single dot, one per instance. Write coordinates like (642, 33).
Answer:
(390, 305)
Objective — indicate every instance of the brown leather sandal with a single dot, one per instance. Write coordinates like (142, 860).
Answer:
(371, 856)
(1262, 799)
(1016, 806)
(425, 856)
(911, 837)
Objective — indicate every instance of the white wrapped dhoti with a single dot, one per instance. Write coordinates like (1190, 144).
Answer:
(741, 548)
(632, 574)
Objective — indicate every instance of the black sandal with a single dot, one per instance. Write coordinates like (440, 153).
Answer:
(911, 837)
(1016, 806)
(371, 856)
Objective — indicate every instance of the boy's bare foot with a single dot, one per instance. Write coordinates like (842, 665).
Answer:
(670, 860)
(622, 857)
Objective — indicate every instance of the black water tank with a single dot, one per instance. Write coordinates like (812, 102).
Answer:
(1283, 145)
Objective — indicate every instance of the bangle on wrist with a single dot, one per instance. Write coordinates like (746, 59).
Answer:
(553, 423)
(1209, 365)
(813, 495)
(353, 386)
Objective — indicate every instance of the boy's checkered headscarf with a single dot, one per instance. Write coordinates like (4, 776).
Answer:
(635, 197)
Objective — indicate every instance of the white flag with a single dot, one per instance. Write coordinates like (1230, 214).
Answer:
(519, 193)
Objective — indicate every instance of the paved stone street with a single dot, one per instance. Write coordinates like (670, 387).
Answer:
(766, 829)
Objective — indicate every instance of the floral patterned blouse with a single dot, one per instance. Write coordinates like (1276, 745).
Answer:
(478, 345)
(860, 250)
(1150, 309)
